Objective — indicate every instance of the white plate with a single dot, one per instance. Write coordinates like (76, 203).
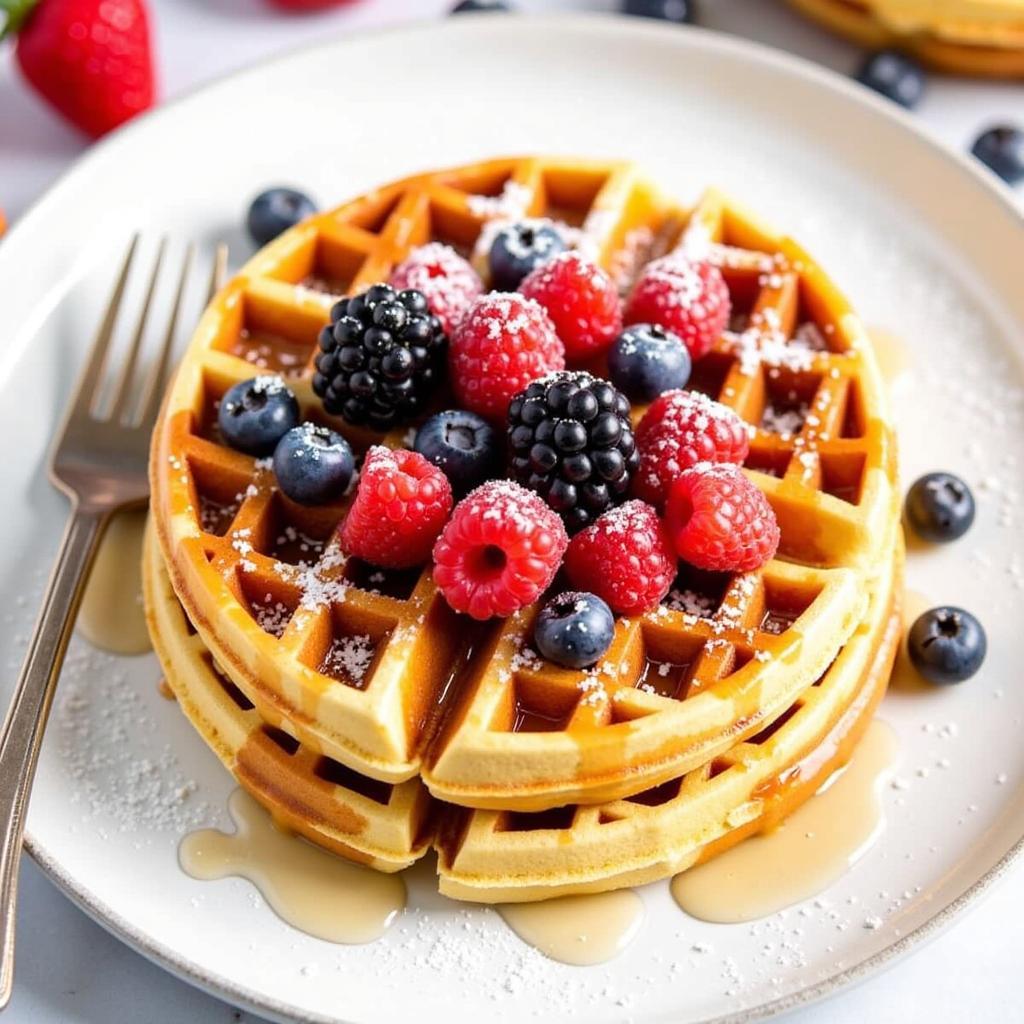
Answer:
(925, 244)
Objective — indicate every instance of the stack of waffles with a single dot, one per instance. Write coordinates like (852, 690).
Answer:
(370, 718)
(966, 37)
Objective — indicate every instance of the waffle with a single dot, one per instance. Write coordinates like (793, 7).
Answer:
(487, 856)
(984, 38)
(367, 821)
(372, 669)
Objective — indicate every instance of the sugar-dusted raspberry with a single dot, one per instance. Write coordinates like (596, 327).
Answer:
(686, 297)
(504, 341)
(447, 280)
(719, 520)
(400, 507)
(500, 550)
(680, 429)
(581, 300)
(626, 558)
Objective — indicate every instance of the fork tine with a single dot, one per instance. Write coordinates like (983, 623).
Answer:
(88, 381)
(219, 273)
(123, 392)
(153, 390)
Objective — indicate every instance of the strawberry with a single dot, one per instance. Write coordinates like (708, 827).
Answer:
(90, 59)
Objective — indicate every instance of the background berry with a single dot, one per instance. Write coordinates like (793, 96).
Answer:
(448, 281)
(940, 507)
(947, 645)
(647, 360)
(313, 465)
(464, 446)
(255, 414)
(275, 211)
(519, 248)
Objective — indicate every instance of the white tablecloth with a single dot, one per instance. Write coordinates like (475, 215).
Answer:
(69, 970)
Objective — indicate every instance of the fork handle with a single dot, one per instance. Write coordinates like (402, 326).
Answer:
(23, 728)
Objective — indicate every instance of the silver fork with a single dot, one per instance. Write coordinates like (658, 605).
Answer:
(99, 461)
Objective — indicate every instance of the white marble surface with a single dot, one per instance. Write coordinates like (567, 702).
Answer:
(69, 969)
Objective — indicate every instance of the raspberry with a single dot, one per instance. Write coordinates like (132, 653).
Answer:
(719, 520)
(680, 429)
(500, 550)
(690, 299)
(626, 558)
(399, 509)
(581, 300)
(503, 342)
(444, 277)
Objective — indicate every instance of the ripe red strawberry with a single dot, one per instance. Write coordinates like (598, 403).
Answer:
(90, 59)
(720, 521)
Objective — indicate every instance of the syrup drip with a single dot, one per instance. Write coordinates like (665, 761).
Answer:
(813, 847)
(111, 616)
(578, 930)
(894, 358)
(312, 890)
(904, 676)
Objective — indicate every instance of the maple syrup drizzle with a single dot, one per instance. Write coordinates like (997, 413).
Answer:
(805, 854)
(111, 616)
(579, 930)
(315, 891)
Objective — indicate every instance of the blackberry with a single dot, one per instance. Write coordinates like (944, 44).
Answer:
(380, 358)
(571, 441)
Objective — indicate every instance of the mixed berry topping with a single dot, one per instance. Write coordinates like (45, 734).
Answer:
(719, 520)
(275, 211)
(688, 298)
(646, 360)
(571, 441)
(401, 505)
(440, 274)
(680, 430)
(380, 357)
(499, 552)
(939, 507)
(947, 645)
(313, 465)
(626, 558)
(581, 300)
(255, 414)
(464, 446)
(520, 248)
(504, 341)
(894, 75)
(574, 629)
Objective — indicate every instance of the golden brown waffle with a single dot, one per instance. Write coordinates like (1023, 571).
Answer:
(373, 669)
(365, 820)
(488, 856)
(508, 856)
(984, 38)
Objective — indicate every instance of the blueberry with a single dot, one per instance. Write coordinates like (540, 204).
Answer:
(647, 360)
(894, 75)
(255, 414)
(678, 11)
(574, 629)
(946, 645)
(519, 248)
(1002, 149)
(276, 210)
(463, 446)
(470, 6)
(313, 465)
(940, 507)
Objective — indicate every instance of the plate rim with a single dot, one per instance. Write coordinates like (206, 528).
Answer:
(685, 37)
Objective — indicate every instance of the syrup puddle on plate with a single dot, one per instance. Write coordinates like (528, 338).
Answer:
(111, 616)
(810, 850)
(894, 358)
(320, 894)
(578, 930)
